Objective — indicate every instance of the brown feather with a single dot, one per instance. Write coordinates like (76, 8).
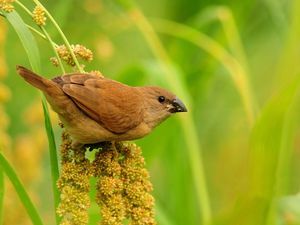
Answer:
(49, 87)
(106, 101)
(34, 79)
(95, 109)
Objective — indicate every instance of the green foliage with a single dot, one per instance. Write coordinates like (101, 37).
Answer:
(234, 157)
(27, 39)
(28, 205)
(32, 51)
(1, 194)
(53, 155)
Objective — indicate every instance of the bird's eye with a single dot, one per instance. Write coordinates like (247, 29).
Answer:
(161, 99)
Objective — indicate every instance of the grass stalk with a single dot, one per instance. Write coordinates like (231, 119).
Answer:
(187, 123)
(36, 31)
(288, 62)
(231, 64)
(26, 36)
(53, 156)
(62, 35)
(27, 203)
(2, 191)
(24, 8)
(45, 36)
(225, 16)
(54, 49)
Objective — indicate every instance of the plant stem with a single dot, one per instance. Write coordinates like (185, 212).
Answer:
(40, 34)
(2, 190)
(53, 156)
(53, 47)
(19, 187)
(237, 72)
(24, 8)
(37, 32)
(52, 43)
(62, 35)
(224, 15)
(51, 140)
(187, 122)
(46, 36)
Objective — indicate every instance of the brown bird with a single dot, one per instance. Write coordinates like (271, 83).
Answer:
(95, 109)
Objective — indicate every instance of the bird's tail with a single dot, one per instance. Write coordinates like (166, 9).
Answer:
(37, 81)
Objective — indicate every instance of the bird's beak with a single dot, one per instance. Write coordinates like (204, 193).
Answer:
(178, 106)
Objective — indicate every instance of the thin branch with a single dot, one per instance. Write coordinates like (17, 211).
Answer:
(45, 36)
(62, 35)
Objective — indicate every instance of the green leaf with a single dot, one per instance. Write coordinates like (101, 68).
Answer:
(271, 144)
(28, 205)
(1, 194)
(27, 39)
(267, 137)
(53, 155)
(161, 215)
(31, 48)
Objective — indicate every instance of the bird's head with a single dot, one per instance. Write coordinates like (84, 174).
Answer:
(160, 104)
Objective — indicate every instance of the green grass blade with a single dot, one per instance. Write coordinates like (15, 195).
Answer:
(27, 39)
(27, 203)
(1, 194)
(53, 155)
(161, 215)
(268, 167)
(176, 82)
(267, 136)
(237, 72)
(32, 51)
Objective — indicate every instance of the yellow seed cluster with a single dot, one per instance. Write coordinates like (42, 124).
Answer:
(54, 61)
(83, 52)
(73, 184)
(73, 206)
(123, 186)
(6, 5)
(39, 15)
(65, 147)
(137, 186)
(97, 73)
(79, 50)
(109, 186)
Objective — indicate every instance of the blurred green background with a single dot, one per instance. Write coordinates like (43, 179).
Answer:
(234, 157)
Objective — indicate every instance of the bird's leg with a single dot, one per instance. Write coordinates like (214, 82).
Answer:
(103, 144)
(113, 145)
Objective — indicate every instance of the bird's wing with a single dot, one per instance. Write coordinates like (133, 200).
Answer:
(115, 106)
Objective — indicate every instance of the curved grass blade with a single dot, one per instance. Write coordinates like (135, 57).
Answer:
(27, 39)
(53, 155)
(238, 73)
(270, 159)
(1, 194)
(268, 137)
(31, 48)
(28, 205)
(175, 82)
(162, 217)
